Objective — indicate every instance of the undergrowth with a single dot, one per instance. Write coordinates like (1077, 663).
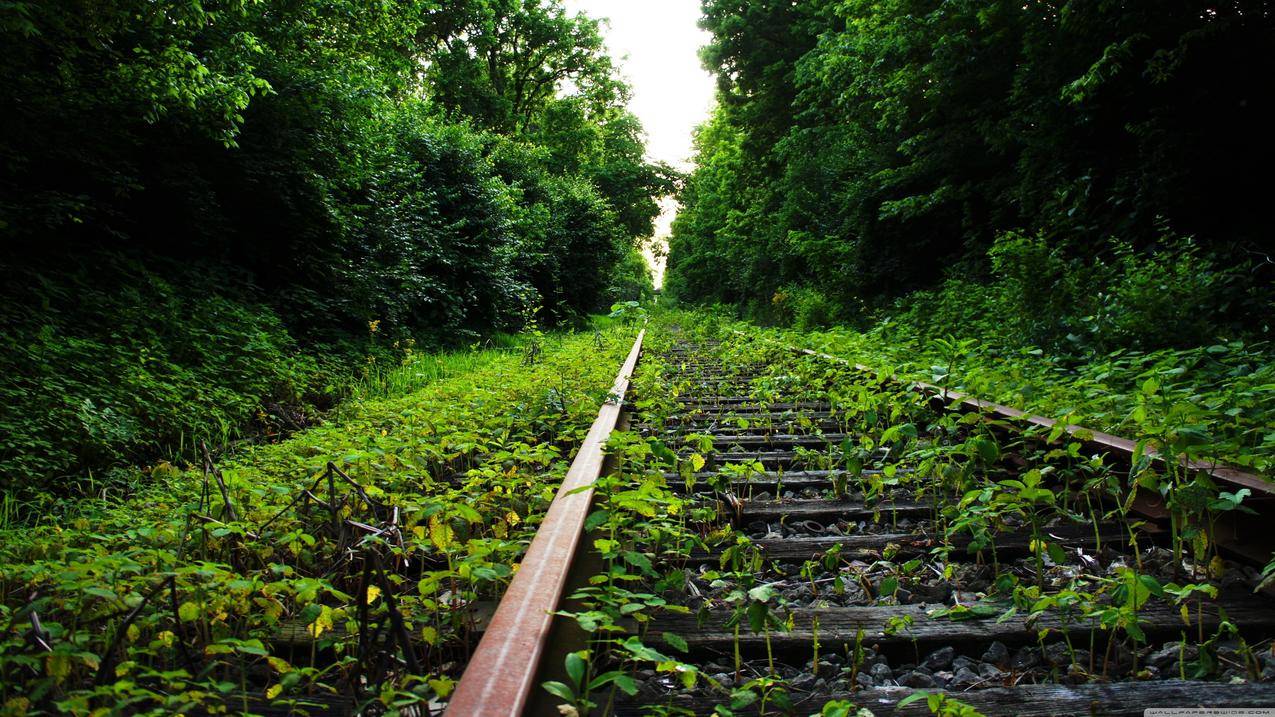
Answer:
(347, 559)
(1215, 402)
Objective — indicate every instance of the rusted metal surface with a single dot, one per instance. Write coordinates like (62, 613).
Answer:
(502, 672)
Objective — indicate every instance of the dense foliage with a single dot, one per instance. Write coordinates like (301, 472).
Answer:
(1212, 402)
(1059, 151)
(187, 598)
(280, 174)
(931, 516)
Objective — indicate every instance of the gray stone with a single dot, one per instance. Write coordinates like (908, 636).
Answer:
(997, 654)
(1164, 657)
(881, 673)
(917, 679)
(940, 659)
(1058, 654)
(1025, 659)
(987, 670)
(804, 682)
(724, 679)
(865, 680)
(964, 677)
(963, 662)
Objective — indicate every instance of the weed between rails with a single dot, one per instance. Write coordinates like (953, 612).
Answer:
(1003, 525)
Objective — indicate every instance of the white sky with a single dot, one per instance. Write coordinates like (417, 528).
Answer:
(656, 45)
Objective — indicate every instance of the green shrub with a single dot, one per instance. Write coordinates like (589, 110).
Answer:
(110, 364)
(802, 307)
(1173, 294)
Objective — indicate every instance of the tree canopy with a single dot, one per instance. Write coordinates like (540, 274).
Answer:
(390, 161)
(867, 149)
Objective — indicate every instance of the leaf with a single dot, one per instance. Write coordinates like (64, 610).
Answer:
(914, 697)
(576, 667)
(188, 611)
(440, 533)
(443, 686)
(1057, 554)
(889, 586)
(637, 560)
(626, 684)
(677, 642)
(373, 592)
(595, 519)
(430, 635)
(697, 462)
(559, 690)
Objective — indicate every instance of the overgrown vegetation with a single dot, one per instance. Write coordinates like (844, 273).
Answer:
(943, 513)
(277, 178)
(346, 561)
(1072, 176)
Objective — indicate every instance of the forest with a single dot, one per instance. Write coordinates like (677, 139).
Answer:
(254, 198)
(1064, 175)
(340, 373)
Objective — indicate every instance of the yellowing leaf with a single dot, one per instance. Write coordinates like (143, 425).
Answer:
(273, 691)
(442, 685)
(188, 611)
(429, 635)
(321, 624)
(697, 462)
(373, 592)
(58, 665)
(440, 533)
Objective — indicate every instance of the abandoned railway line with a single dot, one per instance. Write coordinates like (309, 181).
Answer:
(847, 539)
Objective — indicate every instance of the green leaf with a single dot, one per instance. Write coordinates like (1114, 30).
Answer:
(576, 667)
(914, 697)
(677, 642)
(637, 560)
(559, 690)
(1057, 554)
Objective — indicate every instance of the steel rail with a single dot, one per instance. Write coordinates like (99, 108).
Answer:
(502, 672)
(1123, 447)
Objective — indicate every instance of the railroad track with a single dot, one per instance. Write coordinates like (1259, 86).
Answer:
(839, 560)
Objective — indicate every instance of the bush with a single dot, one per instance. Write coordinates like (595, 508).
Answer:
(803, 308)
(1169, 295)
(1173, 294)
(110, 364)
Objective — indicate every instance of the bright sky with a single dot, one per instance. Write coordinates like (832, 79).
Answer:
(656, 44)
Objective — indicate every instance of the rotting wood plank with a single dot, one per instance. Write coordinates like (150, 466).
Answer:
(837, 625)
(872, 545)
(1118, 699)
(817, 509)
(743, 403)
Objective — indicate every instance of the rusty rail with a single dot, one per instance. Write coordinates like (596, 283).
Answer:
(502, 672)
